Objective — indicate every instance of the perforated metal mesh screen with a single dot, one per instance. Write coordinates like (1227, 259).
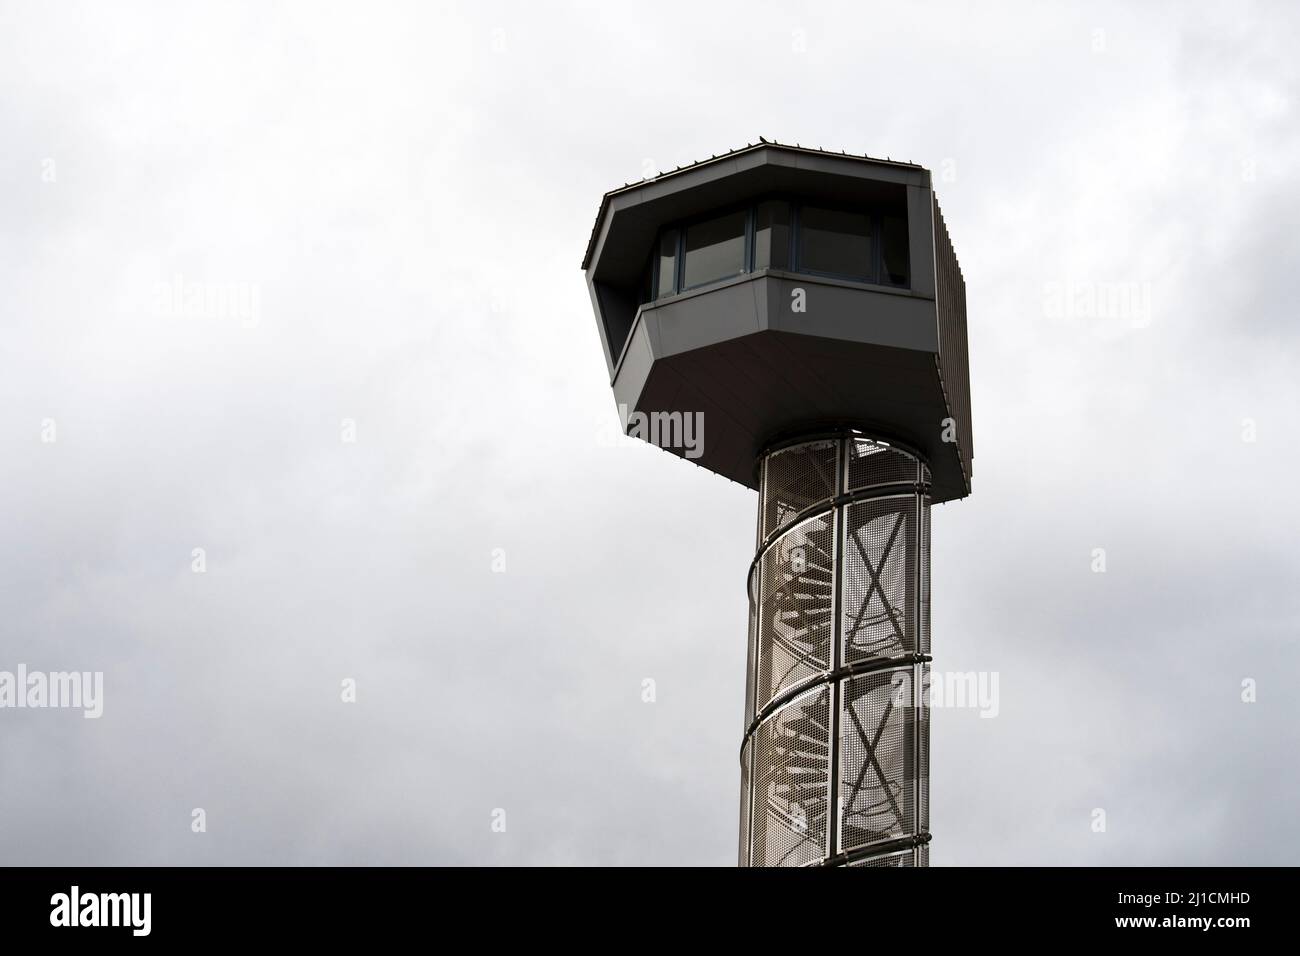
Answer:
(880, 581)
(871, 463)
(882, 763)
(791, 782)
(797, 478)
(795, 615)
(835, 765)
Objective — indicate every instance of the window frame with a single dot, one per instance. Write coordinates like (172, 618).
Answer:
(790, 206)
(882, 274)
(656, 260)
(875, 275)
(873, 230)
(747, 252)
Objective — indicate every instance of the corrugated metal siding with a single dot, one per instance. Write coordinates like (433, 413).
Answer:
(954, 363)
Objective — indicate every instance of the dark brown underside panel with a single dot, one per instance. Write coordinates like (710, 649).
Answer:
(758, 387)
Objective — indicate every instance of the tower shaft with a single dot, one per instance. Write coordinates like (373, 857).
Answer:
(835, 756)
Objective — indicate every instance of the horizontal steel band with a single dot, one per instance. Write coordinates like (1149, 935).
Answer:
(884, 848)
(904, 489)
(829, 677)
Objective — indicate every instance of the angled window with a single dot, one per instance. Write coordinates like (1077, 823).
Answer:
(714, 249)
(893, 242)
(772, 235)
(835, 242)
(646, 292)
(666, 267)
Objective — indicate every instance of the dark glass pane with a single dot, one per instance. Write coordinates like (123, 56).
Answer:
(893, 241)
(772, 236)
(647, 290)
(715, 249)
(667, 263)
(835, 242)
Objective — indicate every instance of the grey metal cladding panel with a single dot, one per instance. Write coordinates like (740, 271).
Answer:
(654, 189)
(954, 359)
(610, 358)
(633, 215)
(710, 173)
(894, 404)
(885, 359)
(797, 387)
(726, 443)
(893, 393)
(726, 384)
(857, 315)
(724, 371)
(814, 380)
(634, 372)
(851, 378)
(761, 291)
(732, 451)
(920, 231)
(618, 308)
(698, 321)
(623, 260)
(750, 381)
(770, 367)
(853, 166)
(795, 374)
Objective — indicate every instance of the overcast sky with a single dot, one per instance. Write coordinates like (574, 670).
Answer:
(399, 197)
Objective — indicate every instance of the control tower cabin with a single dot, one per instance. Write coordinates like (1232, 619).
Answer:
(807, 310)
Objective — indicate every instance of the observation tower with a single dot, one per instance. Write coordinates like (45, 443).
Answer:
(806, 309)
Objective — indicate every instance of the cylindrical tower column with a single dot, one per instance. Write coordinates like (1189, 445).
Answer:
(835, 759)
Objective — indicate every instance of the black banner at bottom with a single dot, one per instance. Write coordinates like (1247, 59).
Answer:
(336, 905)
